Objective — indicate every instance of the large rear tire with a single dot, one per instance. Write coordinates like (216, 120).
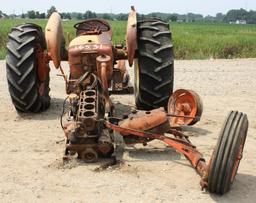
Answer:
(28, 93)
(154, 67)
(228, 153)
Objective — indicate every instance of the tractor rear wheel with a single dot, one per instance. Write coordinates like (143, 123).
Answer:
(28, 93)
(228, 153)
(154, 67)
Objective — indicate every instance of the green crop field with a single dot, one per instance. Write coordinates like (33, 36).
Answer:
(191, 40)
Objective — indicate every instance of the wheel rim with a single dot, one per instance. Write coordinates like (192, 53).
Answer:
(41, 89)
(238, 159)
(136, 78)
(43, 68)
(184, 103)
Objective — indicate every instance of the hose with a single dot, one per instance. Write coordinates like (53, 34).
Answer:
(63, 112)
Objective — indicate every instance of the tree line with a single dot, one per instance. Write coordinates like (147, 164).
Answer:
(231, 16)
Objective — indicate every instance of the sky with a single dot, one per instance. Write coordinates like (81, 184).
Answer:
(205, 7)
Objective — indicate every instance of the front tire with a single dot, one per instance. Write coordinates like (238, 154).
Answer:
(228, 153)
(28, 93)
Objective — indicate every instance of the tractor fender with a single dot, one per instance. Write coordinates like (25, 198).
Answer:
(145, 120)
(54, 38)
(131, 36)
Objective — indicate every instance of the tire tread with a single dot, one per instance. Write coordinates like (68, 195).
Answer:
(155, 63)
(233, 131)
(21, 69)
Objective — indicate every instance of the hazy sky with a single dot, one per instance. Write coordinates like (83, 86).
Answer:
(204, 7)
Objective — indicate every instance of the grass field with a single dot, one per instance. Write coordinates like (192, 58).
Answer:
(191, 40)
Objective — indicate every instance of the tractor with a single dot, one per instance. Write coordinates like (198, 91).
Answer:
(97, 70)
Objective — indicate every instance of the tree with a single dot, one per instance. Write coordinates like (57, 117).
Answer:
(42, 16)
(68, 16)
(220, 17)
(3, 15)
(106, 16)
(122, 17)
(251, 17)
(86, 15)
(50, 11)
(141, 17)
(79, 16)
(153, 15)
(234, 15)
(37, 14)
(191, 17)
(173, 18)
(209, 18)
(31, 14)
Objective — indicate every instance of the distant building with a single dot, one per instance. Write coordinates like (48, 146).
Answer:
(180, 21)
(241, 22)
(238, 22)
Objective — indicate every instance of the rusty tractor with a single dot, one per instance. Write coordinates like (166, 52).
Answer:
(97, 69)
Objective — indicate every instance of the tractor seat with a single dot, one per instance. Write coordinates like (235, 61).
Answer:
(92, 27)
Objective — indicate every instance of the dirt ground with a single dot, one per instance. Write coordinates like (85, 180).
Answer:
(31, 146)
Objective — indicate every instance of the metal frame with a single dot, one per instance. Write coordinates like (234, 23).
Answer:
(180, 143)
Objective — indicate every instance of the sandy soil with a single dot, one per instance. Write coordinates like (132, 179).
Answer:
(31, 146)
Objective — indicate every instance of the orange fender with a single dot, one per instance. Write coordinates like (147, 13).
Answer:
(131, 36)
(54, 38)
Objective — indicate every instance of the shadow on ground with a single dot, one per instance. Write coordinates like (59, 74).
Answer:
(54, 112)
(243, 190)
(195, 131)
(153, 154)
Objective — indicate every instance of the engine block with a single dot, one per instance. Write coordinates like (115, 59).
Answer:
(85, 131)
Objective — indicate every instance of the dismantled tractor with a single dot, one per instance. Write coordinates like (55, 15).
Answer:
(97, 69)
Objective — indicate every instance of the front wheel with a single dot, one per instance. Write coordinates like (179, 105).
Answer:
(228, 153)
